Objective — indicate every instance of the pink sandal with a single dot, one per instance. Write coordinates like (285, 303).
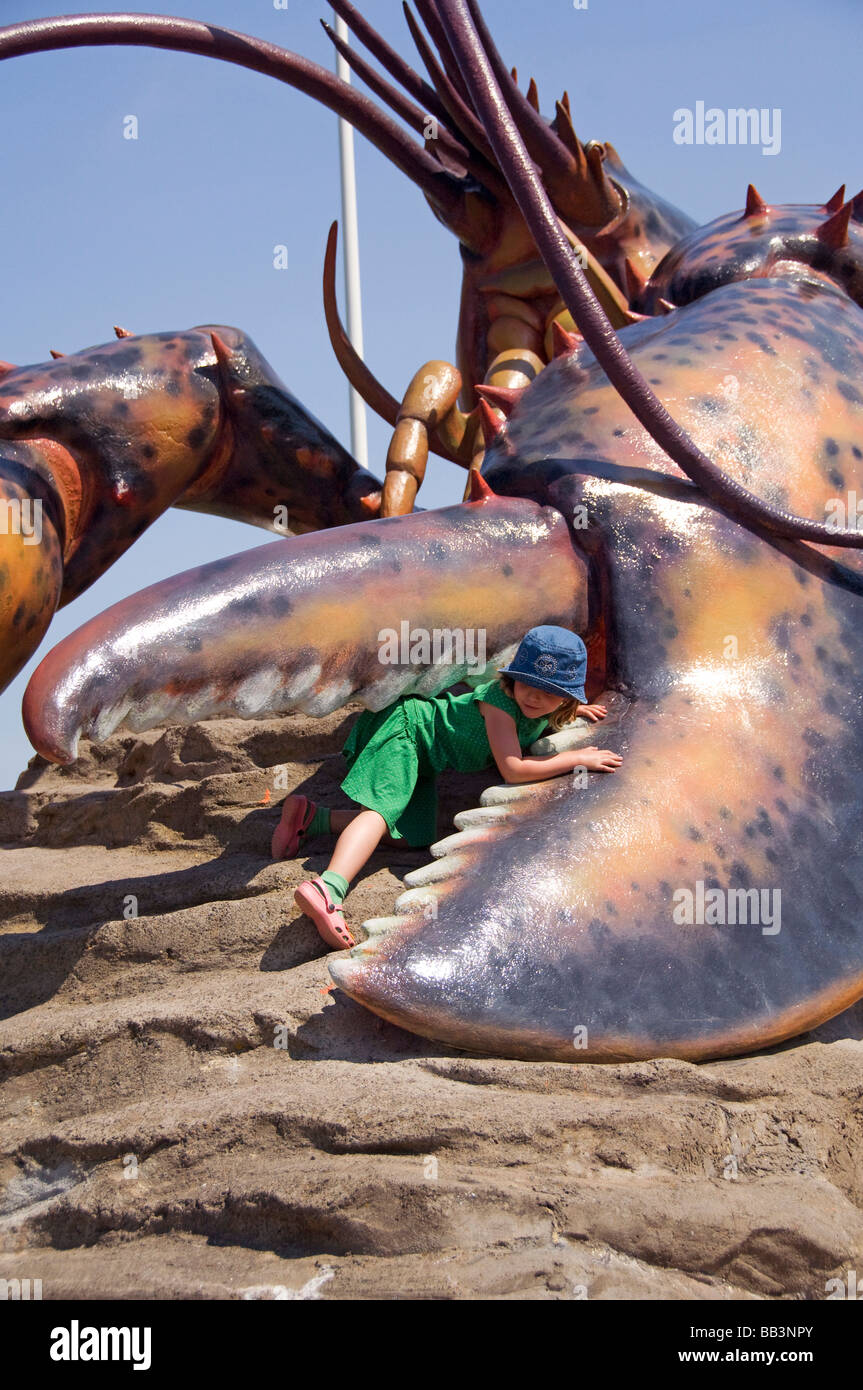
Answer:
(314, 899)
(297, 815)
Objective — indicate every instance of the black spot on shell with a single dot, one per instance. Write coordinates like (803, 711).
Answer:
(221, 566)
(763, 821)
(599, 934)
(124, 357)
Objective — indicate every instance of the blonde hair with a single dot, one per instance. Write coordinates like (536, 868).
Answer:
(566, 711)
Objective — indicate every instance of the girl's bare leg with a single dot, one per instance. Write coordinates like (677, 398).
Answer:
(340, 819)
(357, 842)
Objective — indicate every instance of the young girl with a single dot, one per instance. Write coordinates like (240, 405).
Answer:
(396, 754)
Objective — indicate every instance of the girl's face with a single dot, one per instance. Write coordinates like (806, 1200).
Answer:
(534, 703)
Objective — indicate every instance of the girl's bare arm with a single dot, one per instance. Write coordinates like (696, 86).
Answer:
(513, 766)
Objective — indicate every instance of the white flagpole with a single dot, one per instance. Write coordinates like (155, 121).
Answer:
(351, 252)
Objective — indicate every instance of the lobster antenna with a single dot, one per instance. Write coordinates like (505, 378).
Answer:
(461, 115)
(456, 157)
(587, 314)
(391, 61)
(373, 392)
(210, 41)
(565, 174)
(409, 112)
(429, 17)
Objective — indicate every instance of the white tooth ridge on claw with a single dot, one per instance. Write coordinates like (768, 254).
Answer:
(332, 697)
(461, 840)
(384, 691)
(258, 693)
(108, 720)
(416, 898)
(581, 731)
(481, 815)
(437, 870)
(301, 685)
(499, 796)
(379, 926)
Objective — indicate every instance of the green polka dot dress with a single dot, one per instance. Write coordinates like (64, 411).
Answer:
(396, 754)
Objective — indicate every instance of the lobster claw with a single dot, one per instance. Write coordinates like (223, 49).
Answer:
(31, 557)
(96, 445)
(300, 623)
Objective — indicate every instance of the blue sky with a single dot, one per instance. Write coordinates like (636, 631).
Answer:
(178, 227)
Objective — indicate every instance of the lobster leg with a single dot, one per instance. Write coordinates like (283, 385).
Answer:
(431, 396)
(301, 623)
(431, 404)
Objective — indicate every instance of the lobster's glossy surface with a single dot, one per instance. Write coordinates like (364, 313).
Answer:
(554, 924)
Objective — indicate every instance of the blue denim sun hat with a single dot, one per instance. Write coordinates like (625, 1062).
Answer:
(552, 659)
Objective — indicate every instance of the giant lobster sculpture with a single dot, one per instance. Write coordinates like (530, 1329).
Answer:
(722, 615)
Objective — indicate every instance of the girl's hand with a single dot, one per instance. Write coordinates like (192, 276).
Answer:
(592, 712)
(596, 759)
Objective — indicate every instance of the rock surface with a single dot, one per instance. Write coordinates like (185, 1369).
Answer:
(191, 1110)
